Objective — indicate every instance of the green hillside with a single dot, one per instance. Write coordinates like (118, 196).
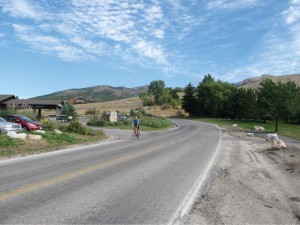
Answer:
(100, 93)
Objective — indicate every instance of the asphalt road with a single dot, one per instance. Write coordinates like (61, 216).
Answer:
(151, 180)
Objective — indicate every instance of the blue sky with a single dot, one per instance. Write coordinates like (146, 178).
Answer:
(53, 45)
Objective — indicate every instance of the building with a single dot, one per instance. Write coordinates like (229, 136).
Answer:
(78, 100)
(10, 101)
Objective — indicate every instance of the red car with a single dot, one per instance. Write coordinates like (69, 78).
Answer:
(26, 123)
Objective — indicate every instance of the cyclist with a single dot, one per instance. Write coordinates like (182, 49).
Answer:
(136, 126)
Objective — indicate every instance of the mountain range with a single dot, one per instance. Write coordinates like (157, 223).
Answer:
(254, 81)
(101, 93)
(104, 93)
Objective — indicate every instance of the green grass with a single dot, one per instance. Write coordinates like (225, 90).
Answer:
(146, 124)
(53, 138)
(285, 129)
(13, 147)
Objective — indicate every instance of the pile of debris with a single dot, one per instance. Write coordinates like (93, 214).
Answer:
(276, 143)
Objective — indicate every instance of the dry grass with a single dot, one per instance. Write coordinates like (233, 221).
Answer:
(125, 105)
(294, 77)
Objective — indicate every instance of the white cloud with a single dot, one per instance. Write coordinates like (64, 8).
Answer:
(295, 2)
(230, 4)
(153, 13)
(160, 34)
(48, 44)
(87, 28)
(292, 14)
(141, 32)
(22, 8)
(95, 48)
(151, 51)
(90, 30)
(279, 55)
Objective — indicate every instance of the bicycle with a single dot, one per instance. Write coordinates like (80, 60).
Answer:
(136, 134)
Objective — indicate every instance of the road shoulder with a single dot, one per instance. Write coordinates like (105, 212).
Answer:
(250, 184)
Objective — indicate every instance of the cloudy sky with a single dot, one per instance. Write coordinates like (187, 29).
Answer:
(53, 45)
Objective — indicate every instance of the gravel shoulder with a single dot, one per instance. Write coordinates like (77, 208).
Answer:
(250, 184)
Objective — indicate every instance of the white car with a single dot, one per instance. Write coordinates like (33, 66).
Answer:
(8, 126)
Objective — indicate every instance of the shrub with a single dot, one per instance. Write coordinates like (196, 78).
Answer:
(143, 112)
(96, 122)
(139, 114)
(4, 112)
(132, 113)
(68, 110)
(76, 127)
(126, 122)
(173, 103)
(92, 112)
(156, 122)
(48, 125)
(166, 106)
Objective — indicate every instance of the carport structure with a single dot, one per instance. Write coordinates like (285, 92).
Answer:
(10, 101)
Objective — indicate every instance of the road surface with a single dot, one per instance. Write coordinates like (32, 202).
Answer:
(151, 180)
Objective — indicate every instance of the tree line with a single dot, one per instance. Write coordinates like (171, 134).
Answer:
(159, 94)
(272, 100)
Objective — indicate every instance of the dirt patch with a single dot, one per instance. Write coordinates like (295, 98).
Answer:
(251, 184)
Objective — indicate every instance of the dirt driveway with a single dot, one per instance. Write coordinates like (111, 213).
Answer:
(251, 184)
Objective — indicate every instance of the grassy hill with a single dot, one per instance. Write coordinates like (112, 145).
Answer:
(125, 105)
(101, 93)
(254, 81)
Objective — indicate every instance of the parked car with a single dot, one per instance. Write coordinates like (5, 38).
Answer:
(26, 123)
(8, 126)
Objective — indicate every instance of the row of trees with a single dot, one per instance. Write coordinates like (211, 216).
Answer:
(158, 94)
(272, 100)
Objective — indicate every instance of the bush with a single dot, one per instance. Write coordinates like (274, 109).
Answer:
(4, 112)
(132, 113)
(126, 122)
(48, 125)
(143, 112)
(76, 127)
(68, 110)
(156, 122)
(173, 103)
(92, 112)
(166, 106)
(96, 122)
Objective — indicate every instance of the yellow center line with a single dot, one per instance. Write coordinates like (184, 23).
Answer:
(75, 173)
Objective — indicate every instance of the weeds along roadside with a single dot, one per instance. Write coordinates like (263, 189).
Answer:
(72, 133)
(146, 123)
(285, 129)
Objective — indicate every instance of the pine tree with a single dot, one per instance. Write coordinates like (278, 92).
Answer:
(189, 100)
